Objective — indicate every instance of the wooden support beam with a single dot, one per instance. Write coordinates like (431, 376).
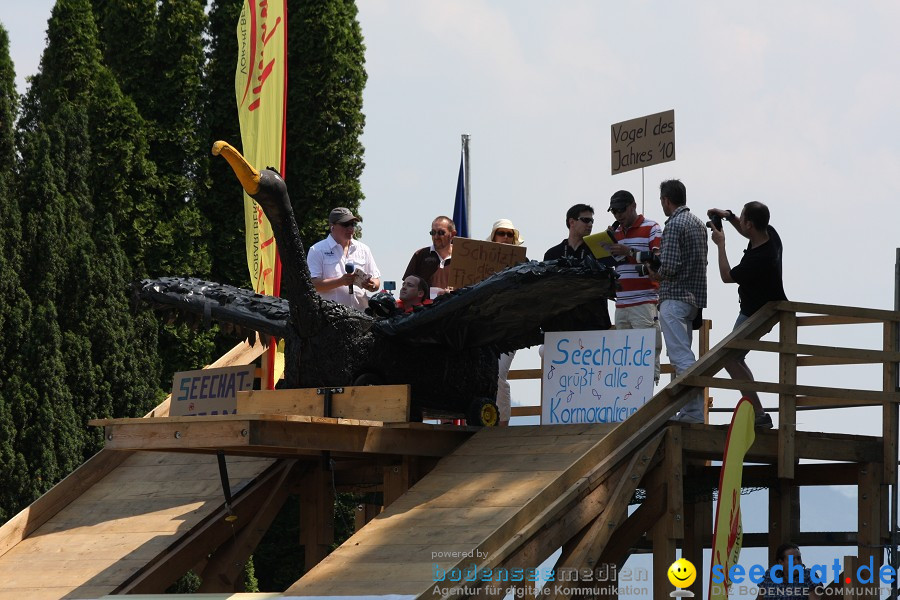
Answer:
(861, 315)
(854, 355)
(384, 403)
(584, 550)
(850, 395)
(663, 556)
(399, 478)
(316, 514)
(633, 529)
(889, 412)
(364, 514)
(698, 525)
(787, 400)
(224, 569)
(708, 442)
(807, 474)
(784, 514)
(525, 374)
(869, 517)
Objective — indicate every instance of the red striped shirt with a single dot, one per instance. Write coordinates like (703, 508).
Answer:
(643, 235)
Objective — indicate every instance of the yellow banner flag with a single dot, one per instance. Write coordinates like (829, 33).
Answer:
(260, 84)
(728, 535)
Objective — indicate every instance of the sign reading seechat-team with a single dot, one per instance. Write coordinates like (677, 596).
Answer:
(596, 376)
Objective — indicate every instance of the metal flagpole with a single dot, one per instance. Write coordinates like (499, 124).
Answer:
(467, 181)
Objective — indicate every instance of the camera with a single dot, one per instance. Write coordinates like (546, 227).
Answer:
(715, 220)
(390, 286)
(646, 261)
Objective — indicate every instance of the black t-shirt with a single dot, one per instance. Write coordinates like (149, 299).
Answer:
(758, 275)
(593, 317)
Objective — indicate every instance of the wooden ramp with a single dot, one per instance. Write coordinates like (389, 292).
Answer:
(122, 524)
(122, 519)
(496, 498)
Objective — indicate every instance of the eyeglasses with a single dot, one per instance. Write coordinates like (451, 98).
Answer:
(586, 220)
(437, 232)
(509, 234)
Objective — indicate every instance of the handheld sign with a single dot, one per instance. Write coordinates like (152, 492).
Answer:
(643, 142)
(596, 376)
(209, 391)
(476, 260)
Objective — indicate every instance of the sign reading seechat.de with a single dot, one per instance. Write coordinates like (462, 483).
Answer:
(209, 391)
(596, 376)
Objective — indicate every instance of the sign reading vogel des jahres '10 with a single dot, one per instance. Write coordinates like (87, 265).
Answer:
(596, 376)
(643, 142)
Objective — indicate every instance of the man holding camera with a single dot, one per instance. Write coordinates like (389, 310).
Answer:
(639, 238)
(682, 285)
(758, 276)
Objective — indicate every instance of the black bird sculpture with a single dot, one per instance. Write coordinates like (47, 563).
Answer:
(446, 351)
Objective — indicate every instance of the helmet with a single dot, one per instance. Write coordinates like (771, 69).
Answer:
(382, 305)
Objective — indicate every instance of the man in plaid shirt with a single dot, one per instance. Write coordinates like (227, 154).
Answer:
(788, 579)
(682, 285)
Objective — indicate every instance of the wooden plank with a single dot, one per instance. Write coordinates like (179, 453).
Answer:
(876, 315)
(854, 354)
(525, 374)
(833, 403)
(889, 412)
(875, 396)
(832, 320)
(384, 403)
(59, 496)
(823, 361)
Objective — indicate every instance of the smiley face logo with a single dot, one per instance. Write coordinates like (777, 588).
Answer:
(682, 573)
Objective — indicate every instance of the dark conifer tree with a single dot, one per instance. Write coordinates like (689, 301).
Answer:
(81, 144)
(14, 305)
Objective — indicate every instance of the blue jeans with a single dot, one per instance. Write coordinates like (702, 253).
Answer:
(675, 320)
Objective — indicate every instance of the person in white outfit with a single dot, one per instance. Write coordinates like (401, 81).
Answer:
(504, 232)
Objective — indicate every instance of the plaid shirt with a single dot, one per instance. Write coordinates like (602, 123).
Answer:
(785, 590)
(683, 257)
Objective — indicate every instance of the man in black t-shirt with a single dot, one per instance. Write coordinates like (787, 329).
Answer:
(758, 276)
(595, 316)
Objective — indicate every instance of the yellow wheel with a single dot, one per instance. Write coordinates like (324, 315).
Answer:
(483, 412)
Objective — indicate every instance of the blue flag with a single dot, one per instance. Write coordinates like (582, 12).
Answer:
(460, 214)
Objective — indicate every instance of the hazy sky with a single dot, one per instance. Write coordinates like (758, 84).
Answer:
(793, 104)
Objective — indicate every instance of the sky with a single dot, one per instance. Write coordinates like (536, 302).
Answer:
(792, 104)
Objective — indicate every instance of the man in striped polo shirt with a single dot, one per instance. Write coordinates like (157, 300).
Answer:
(636, 302)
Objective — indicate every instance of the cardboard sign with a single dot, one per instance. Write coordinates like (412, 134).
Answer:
(476, 260)
(209, 391)
(643, 142)
(596, 376)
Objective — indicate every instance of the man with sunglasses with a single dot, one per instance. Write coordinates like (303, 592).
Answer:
(580, 222)
(432, 263)
(636, 301)
(334, 262)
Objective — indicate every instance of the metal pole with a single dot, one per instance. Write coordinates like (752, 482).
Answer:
(643, 207)
(467, 176)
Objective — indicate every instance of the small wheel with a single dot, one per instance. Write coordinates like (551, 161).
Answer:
(368, 379)
(483, 412)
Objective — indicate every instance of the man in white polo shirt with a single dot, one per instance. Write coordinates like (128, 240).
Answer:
(329, 262)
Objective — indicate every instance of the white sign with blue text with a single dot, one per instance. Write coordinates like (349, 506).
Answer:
(209, 391)
(596, 376)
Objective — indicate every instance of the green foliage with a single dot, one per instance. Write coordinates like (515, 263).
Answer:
(326, 78)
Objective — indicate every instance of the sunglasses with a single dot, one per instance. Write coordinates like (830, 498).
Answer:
(616, 211)
(586, 220)
(348, 225)
(509, 234)
(437, 232)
